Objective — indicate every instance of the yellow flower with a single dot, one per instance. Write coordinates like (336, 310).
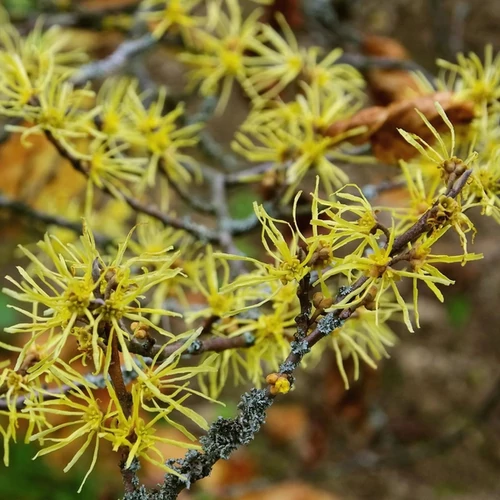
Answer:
(449, 212)
(421, 193)
(83, 416)
(84, 288)
(290, 265)
(280, 61)
(159, 381)
(16, 86)
(210, 277)
(364, 337)
(34, 83)
(64, 291)
(139, 434)
(109, 169)
(374, 268)
(484, 190)
(331, 76)
(421, 263)
(153, 237)
(345, 223)
(17, 384)
(222, 58)
(442, 153)
(57, 109)
(473, 80)
(111, 100)
(175, 15)
(158, 135)
(292, 137)
(273, 329)
(375, 273)
(118, 294)
(39, 49)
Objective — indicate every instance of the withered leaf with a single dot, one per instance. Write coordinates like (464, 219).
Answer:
(382, 124)
(388, 145)
(29, 173)
(289, 490)
(388, 85)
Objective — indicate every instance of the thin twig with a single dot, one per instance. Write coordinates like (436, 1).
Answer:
(302, 319)
(56, 392)
(422, 226)
(115, 61)
(116, 376)
(129, 477)
(21, 208)
(209, 323)
(189, 198)
(226, 435)
(199, 346)
(200, 232)
(242, 176)
(219, 197)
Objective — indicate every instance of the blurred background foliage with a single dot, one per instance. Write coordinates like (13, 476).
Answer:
(427, 424)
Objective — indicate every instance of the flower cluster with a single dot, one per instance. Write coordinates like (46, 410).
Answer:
(292, 137)
(112, 136)
(224, 48)
(94, 306)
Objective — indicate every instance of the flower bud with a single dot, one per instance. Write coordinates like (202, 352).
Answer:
(321, 302)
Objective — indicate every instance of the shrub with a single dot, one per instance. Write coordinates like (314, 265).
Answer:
(95, 295)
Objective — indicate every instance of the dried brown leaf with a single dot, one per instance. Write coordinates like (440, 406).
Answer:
(285, 423)
(388, 85)
(382, 124)
(388, 145)
(289, 490)
(372, 118)
(241, 469)
(28, 173)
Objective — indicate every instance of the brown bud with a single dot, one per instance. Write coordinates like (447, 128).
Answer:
(272, 378)
(324, 253)
(140, 330)
(317, 298)
(270, 184)
(273, 390)
(449, 166)
(460, 169)
(321, 302)
(369, 302)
